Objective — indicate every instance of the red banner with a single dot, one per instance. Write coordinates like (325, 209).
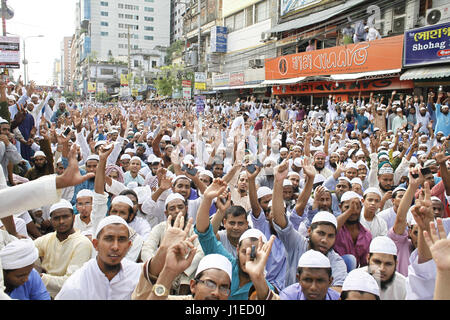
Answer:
(328, 87)
(383, 54)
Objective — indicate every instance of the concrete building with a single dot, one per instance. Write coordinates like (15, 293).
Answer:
(119, 32)
(176, 16)
(66, 62)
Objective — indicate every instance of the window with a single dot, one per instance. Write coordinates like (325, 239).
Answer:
(106, 72)
(154, 64)
(104, 23)
(229, 23)
(123, 46)
(148, 37)
(147, 28)
(104, 33)
(148, 18)
(104, 13)
(136, 63)
(131, 7)
(148, 9)
(239, 20)
(104, 3)
(120, 5)
(249, 16)
(262, 11)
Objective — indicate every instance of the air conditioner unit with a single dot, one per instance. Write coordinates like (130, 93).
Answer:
(399, 25)
(438, 15)
(259, 63)
(251, 63)
(265, 36)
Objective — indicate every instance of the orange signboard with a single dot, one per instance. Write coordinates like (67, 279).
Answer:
(328, 87)
(383, 54)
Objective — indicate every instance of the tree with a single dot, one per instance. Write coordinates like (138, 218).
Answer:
(102, 97)
(174, 51)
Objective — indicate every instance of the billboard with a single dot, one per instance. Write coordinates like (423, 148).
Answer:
(427, 45)
(383, 54)
(292, 6)
(9, 52)
(219, 39)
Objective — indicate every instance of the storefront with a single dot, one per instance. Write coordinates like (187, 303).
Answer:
(427, 58)
(343, 71)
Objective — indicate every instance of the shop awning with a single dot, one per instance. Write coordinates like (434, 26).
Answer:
(440, 71)
(283, 81)
(247, 86)
(353, 76)
(315, 17)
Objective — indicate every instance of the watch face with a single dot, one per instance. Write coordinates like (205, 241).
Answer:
(160, 290)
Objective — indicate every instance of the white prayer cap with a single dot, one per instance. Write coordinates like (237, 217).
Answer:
(122, 199)
(165, 138)
(253, 233)
(383, 244)
(399, 188)
(207, 173)
(39, 154)
(429, 163)
(298, 162)
(269, 160)
(188, 158)
(173, 196)
(62, 101)
(181, 176)
(297, 147)
(350, 195)
(385, 170)
(215, 261)
(263, 191)
(132, 185)
(18, 254)
(373, 190)
(360, 280)
(11, 97)
(413, 160)
(3, 120)
(293, 173)
(313, 259)
(359, 153)
(93, 157)
(125, 157)
(319, 178)
(135, 158)
(434, 198)
(357, 181)
(361, 163)
(34, 95)
(99, 143)
(288, 140)
(63, 203)
(345, 178)
(150, 135)
(284, 149)
(324, 216)
(351, 164)
(113, 131)
(113, 219)
(129, 150)
(287, 183)
(395, 154)
(85, 193)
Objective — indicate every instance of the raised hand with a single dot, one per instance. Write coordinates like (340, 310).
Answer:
(439, 245)
(176, 232)
(71, 176)
(215, 189)
(308, 168)
(423, 208)
(105, 151)
(179, 256)
(254, 174)
(256, 267)
(441, 158)
(226, 197)
(281, 171)
(415, 182)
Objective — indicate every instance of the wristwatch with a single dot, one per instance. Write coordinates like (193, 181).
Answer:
(160, 291)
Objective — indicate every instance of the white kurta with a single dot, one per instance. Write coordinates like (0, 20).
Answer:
(396, 290)
(377, 226)
(90, 283)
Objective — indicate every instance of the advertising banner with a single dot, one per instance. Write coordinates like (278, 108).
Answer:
(9, 52)
(383, 54)
(219, 39)
(428, 45)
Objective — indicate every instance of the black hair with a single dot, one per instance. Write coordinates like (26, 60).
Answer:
(344, 294)
(235, 211)
(127, 192)
(395, 257)
(300, 270)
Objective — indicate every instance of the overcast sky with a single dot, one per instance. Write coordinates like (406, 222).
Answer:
(54, 19)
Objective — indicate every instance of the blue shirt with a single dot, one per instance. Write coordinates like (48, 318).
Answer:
(443, 121)
(294, 292)
(210, 244)
(33, 289)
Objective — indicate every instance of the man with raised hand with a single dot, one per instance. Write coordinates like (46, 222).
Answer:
(321, 234)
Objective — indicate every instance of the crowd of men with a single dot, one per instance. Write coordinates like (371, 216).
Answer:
(260, 200)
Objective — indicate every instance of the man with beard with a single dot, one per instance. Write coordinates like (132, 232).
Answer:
(241, 282)
(63, 251)
(261, 201)
(294, 177)
(369, 219)
(174, 205)
(319, 164)
(382, 262)
(84, 208)
(333, 161)
(43, 161)
(423, 117)
(442, 116)
(321, 234)
(384, 181)
(389, 214)
(112, 242)
(352, 238)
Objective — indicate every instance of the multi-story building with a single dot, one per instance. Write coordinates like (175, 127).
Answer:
(66, 62)
(176, 17)
(121, 32)
(56, 81)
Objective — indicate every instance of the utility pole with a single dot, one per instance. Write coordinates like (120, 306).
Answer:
(199, 37)
(129, 61)
(4, 17)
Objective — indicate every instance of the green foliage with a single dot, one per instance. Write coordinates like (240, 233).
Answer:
(174, 51)
(102, 96)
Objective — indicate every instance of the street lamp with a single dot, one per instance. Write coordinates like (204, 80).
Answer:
(25, 61)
